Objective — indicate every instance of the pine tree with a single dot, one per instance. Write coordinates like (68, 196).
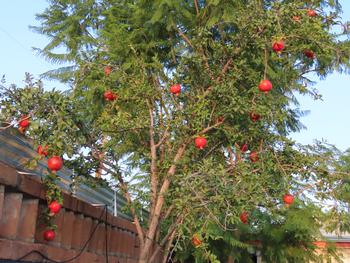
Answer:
(188, 105)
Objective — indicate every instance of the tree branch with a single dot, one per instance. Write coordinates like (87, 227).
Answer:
(224, 69)
(184, 37)
(124, 188)
(167, 247)
(8, 125)
(218, 123)
(171, 232)
(153, 223)
(154, 172)
(165, 135)
(100, 156)
(168, 211)
(196, 6)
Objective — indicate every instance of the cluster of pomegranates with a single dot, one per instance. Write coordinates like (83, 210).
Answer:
(288, 199)
(54, 163)
(54, 208)
(109, 95)
(278, 46)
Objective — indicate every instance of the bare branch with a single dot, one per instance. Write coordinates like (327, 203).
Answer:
(224, 69)
(153, 224)
(212, 149)
(8, 125)
(124, 188)
(168, 211)
(196, 6)
(184, 37)
(165, 135)
(153, 148)
(167, 247)
(218, 123)
(168, 237)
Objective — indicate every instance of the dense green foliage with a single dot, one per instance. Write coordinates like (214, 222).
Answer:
(219, 51)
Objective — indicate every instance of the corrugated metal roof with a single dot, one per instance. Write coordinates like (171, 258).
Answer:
(336, 236)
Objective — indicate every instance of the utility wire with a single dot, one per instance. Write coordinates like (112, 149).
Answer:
(105, 210)
(106, 234)
(14, 39)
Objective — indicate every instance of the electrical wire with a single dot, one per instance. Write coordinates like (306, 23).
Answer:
(106, 234)
(104, 211)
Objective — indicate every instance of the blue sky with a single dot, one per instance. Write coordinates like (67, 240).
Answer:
(328, 120)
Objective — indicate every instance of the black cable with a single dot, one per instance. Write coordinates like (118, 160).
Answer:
(81, 251)
(106, 233)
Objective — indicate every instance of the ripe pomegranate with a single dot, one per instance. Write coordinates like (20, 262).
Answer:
(265, 86)
(110, 95)
(221, 119)
(254, 116)
(55, 163)
(254, 157)
(196, 240)
(296, 18)
(288, 199)
(311, 13)
(200, 142)
(244, 148)
(107, 70)
(309, 53)
(278, 46)
(175, 89)
(49, 235)
(54, 207)
(24, 123)
(43, 150)
(244, 218)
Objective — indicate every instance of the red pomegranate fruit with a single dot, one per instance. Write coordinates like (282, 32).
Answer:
(49, 235)
(24, 123)
(43, 151)
(55, 163)
(311, 13)
(107, 71)
(110, 95)
(200, 142)
(296, 18)
(175, 89)
(244, 218)
(278, 46)
(54, 207)
(196, 241)
(309, 54)
(244, 148)
(254, 116)
(288, 199)
(265, 86)
(254, 157)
